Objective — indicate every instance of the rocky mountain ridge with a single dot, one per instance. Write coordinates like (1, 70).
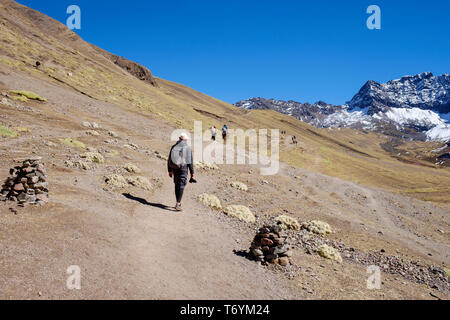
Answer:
(413, 107)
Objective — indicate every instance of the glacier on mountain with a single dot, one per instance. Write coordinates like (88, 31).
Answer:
(411, 116)
(439, 133)
(347, 119)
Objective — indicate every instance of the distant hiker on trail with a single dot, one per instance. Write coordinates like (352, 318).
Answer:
(224, 132)
(179, 163)
(213, 133)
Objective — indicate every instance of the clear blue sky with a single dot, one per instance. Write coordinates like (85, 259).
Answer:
(300, 50)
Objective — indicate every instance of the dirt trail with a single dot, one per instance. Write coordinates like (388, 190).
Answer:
(195, 258)
(408, 238)
(135, 248)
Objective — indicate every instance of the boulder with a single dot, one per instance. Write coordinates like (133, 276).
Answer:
(19, 187)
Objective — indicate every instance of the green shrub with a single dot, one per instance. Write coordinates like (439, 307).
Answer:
(6, 132)
(20, 98)
(73, 143)
(25, 95)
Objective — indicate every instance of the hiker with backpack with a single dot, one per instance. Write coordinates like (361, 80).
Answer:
(294, 140)
(224, 132)
(179, 164)
(213, 133)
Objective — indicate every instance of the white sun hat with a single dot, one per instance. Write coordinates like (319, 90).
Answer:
(184, 136)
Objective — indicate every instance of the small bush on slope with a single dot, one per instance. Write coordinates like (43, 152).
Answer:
(317, 227)
(210, 201)
(239, 185)
(6, 132)
(121, 182)
(328, 252)
(288, 222)
(93, 157)
(241, 212)
(73, 143)
(28, 95)
(131, 168)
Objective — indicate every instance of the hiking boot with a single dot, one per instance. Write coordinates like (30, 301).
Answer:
(178, 207)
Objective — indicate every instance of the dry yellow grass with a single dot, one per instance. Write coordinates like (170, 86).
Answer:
(140, 182)
(27, 95)
(210, 200)
(131, 168)
(241, 212)
(120, 182)
(239, 186)
(7, 132)
(328, 252)
(93, 157)
(288, 222)
(317, 227)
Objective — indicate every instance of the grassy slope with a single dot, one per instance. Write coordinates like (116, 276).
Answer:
(69, 61)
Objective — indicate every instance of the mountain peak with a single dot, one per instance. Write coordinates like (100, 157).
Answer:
(423, 91)
(411, 103)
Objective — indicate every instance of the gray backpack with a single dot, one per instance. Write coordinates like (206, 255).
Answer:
(176, 160)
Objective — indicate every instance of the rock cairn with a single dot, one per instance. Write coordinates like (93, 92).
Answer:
(271, 245)
(27, 184)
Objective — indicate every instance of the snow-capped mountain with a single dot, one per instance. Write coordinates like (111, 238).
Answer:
(416, 107)
(305, 112)
(423, 91)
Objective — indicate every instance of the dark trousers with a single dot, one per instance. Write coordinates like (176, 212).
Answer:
(180, 178)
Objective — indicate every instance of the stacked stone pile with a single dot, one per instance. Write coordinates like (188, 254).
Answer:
(27, 184)
(271, 245)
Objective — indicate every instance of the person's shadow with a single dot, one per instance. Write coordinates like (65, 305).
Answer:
(145, 202)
